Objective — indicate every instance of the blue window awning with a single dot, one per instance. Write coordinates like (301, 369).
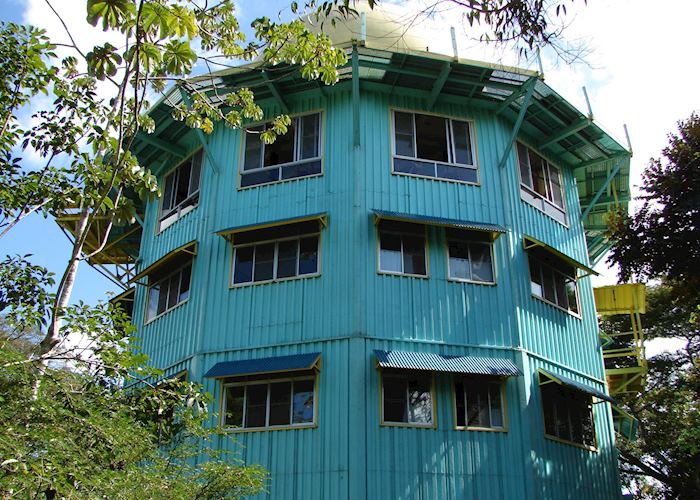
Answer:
(494, 229)
(294, 362)
(573, 384)
(426, 361)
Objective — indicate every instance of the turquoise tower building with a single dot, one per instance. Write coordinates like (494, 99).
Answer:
(393, 300)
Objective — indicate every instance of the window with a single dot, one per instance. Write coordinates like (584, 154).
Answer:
(294, 154)
(469, 256)
(168, 288)
(541, 183)
(568, 414)
(276, 253)
(407, 399)
(260, 402)
(180, 190)
(401, 248)
(433, 146)
(479, 403)
(553, 280)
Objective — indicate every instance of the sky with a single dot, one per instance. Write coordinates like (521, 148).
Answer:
(638, 72)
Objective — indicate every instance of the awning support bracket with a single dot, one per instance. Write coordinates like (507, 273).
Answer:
(518, 123)
(516, 94)
(439, 84)
(275, 92)
(200, 135)
(563, 134)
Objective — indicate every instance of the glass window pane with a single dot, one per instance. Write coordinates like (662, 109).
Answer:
(173, 290)
(287, 258)
(185, 283)
(303, 402)
(197, 161)
(260, 177)
(310, 136)
(496, 405)
(571, 295)
(548, 284)
(459, 260)
(462, 143)
(394, 395)
(560, 288)
(413, 255)
(183, 183)
(459, 403)
(524, 163)
(168, 192)
(420, 404)
(535, 278)
(253, 149)
(264, 262)
(555, 186)
(416, 167)
(153, 293)
(282, 150)
(482, 269)
(466, 174)
(163, 296)
(431, 138)
(389, 252)
(280, 400)
(243, 265)
(403, 134)
(308, 255)
(539, 181)
(233, 415)
(302, 169)
(256, 405)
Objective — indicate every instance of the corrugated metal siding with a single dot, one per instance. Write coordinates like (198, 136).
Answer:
(350, 309)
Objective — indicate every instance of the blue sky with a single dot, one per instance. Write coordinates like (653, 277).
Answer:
(638, 73)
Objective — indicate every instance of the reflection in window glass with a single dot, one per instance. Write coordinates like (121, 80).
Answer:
(553, 280)
(469, 256)
(407, 398)
(269, 403)
(479, 403)
(401, 248)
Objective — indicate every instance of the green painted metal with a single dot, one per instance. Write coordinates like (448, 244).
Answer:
(200, 135)
(350, 310)
(273, 88)
(602, 189)
(168, 147)
(563, 134)
(439, 83)
(515, 95)
(516, 127)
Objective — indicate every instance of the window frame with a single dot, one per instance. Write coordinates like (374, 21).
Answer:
(504, 403)
(182, 205)
(530, 191)
(426, 258)
(531, 256)
(558, 439)
(252, 380)
(276, 241)
(450, 146)
(178, 270)
(489, 244)
(279, 166)
(406, 374)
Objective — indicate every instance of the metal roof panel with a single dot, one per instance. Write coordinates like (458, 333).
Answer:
(238, 368)
(471, 365)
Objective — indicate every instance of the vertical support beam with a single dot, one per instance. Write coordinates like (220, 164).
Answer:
(200, 135)
(588, 103)
(455, 53)
(515, 95)
(355, 97)
(518, 123)
(602, 189)
(363, 28)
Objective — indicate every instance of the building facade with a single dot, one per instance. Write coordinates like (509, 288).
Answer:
(393, 300)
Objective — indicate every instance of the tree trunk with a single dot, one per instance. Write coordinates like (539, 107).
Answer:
(63, 294)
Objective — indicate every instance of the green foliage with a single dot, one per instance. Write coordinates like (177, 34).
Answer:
(660, 242)
(86, 437)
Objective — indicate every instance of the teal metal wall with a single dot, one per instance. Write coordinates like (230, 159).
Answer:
(350, 309)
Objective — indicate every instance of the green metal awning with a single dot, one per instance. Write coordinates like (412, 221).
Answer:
(529, 242)
(230, 232)
(187, 248)
(625, 424)
(426, 361)
(572, 384)
(258, 366)
(495, 229)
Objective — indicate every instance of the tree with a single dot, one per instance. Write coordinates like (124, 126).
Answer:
(659, 242)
